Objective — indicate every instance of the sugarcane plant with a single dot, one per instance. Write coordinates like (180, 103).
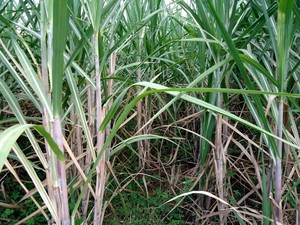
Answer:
(195, 100)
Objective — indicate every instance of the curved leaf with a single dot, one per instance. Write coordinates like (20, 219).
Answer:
(9, 137)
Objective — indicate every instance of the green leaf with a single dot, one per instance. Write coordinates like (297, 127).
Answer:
(37, 182)
(9, 137)
(175, 92)
(259, 113)
(60, 22)
(32, 77)
(285, 22)
(50, 141)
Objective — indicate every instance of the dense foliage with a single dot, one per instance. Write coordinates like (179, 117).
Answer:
(149, 112)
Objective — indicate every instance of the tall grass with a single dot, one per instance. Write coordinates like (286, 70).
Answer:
(195, 100)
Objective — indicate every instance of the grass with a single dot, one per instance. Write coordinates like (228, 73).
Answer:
(185, 112)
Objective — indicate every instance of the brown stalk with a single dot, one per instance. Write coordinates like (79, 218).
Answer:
(61, 190)
(140, 144)
(220, 163)
(88, 158)
(112, 69)
(278, 165)
(100, 113)
(50, 174)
